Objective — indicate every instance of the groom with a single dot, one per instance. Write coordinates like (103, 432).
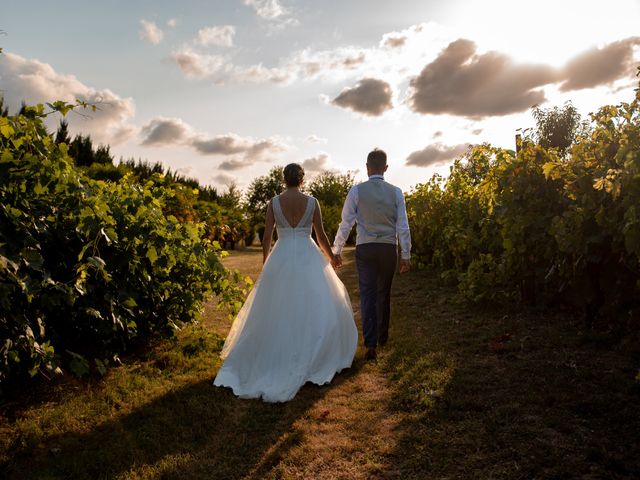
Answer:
(378, 209)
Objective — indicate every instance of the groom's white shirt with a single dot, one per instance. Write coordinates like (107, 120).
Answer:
(352, 214)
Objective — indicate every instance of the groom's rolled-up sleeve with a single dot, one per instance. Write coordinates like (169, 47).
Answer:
(402, 227)
(349, 211)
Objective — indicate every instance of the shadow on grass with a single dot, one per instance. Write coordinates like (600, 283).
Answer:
(199, 431)
(498, 394)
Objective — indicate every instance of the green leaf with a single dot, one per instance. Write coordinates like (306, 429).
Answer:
(39, 189)
(78, 364)
(97, 262)
(6, 130)
(129, 303)
(152, 255)
(101, 366)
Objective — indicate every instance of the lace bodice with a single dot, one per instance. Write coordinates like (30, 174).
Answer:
(304, 225)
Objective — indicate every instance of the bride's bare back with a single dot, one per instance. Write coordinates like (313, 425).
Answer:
(293, 205)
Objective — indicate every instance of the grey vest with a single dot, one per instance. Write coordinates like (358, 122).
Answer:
(377, 212)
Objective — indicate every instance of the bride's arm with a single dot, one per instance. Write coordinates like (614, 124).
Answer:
(321, 236)
(269, 223)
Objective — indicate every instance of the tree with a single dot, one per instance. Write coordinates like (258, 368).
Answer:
(557, 127)
(331, 188)
(81, 150)
(260, 191)
(232, 198)
(102, 155)
(62, 134)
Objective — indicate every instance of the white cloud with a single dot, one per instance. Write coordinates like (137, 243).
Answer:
(220, 69)
(233, 164)
(172, 22)
(267, 9)
(334, 65)
(221, 36)
(224, 179)
(305, 64)
(393, 40)
(150, 32)
(465, 83)
(37, 82)
(313, 138)
(316, 164)
(163, 131)
(185, 171)
(197, 65)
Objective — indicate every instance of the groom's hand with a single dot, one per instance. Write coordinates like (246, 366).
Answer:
(337, 261)
(405, 266)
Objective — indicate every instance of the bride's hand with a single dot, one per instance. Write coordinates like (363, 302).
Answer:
(336, 261)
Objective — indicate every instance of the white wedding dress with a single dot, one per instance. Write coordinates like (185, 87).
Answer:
(297, 324)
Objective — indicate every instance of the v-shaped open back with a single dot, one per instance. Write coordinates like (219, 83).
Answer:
(281, 219)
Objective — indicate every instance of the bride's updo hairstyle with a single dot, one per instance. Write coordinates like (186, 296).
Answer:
(293, 175)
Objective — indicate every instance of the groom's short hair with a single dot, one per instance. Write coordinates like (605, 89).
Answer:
(377, 158)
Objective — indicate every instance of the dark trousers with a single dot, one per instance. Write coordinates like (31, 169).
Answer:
(376, 264)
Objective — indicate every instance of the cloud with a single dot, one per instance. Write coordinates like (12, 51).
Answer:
(185, 171)
(435, 154)
(261, 74)
(311, 64)
(267, 9)
(150, 32)
(313, 138)
(162, 131)
(221, 36)
(224, 179)
(477, 131)
(233, 164)
(222, 144)
(335, 64)
(172, 22)
(196, 65)
(317, 163)
(220, 69)
(393, 40)
(600, 66)
(165, 131)
(369, 96)
(37, 82)
(437, 134)
(304, 64)
(461, 82)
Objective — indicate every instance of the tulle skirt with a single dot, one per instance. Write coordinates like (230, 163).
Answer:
(296, 326)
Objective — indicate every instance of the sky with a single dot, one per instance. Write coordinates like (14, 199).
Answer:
(223, 90)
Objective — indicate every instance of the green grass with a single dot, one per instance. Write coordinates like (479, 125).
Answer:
(457, 393)
(509, 394)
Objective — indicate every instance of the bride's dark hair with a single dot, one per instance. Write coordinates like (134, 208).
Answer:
(293, 175)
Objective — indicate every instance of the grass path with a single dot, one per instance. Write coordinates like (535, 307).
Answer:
(457, 393)
(349, 431)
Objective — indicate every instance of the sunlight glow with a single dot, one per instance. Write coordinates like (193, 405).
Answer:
(548, 31)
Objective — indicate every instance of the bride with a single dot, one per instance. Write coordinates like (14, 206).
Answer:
(297, 323)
